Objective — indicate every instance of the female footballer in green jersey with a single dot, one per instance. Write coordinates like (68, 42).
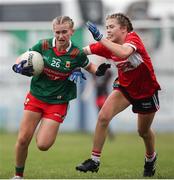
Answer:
(51, 91)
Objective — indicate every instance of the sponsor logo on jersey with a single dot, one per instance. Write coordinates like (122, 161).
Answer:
(55, 75)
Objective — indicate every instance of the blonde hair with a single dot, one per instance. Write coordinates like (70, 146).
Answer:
(63, 19)
(122, 19)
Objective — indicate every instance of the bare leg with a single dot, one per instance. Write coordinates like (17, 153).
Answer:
(110, 133)
(144, 123)
(47, 133)
(114, 104)
(28, 125)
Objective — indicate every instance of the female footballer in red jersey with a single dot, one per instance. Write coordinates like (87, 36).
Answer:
(136, 85)
(51, 91)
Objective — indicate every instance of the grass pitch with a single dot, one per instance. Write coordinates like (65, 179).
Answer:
(122, 158)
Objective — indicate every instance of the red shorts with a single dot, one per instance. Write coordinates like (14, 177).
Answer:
(56, 112)
(100, 101)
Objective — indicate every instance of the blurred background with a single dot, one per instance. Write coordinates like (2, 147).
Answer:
(23, 23)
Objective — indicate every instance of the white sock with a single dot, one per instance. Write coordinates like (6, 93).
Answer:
(151, 158)
(95, 156)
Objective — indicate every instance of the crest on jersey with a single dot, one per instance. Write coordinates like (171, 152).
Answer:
(68, 64)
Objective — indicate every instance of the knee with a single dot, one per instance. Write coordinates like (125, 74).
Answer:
(103, 120)
(22, 142)
(42, 146)
(142, 133)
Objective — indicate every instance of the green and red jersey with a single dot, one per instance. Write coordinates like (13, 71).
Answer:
(52, 85)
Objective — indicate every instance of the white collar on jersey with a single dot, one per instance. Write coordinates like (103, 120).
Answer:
(54, 44)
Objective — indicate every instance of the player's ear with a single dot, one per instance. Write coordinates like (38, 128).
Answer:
(72, 31)
(123, 29)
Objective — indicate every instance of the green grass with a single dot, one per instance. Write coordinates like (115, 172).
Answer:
(122, 158)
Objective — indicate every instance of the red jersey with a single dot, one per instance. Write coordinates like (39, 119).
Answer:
(136, 72)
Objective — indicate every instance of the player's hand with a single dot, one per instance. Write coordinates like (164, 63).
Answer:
(94, 30)
(77, 76)
(102, 69)
(19, 68)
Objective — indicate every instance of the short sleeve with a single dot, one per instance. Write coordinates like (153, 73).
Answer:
(134, 41)
(84, 61)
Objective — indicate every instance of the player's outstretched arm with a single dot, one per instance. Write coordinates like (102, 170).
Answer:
(98, 71)
(94, 31)
(78, 76)
(122, 51)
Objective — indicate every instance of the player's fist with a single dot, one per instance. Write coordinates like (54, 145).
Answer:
(22, 69)
(94, 30)
(102, 69)
(77, 76)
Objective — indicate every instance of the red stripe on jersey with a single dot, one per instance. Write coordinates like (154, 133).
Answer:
(74, 53)
(45, 45)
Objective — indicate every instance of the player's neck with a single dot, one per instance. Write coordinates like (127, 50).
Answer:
(121, 40)
(62, 47)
